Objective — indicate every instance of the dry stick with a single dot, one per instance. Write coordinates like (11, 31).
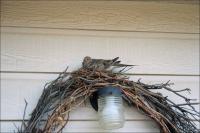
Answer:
(149, 110)
(87, 81)
(162, 105)
(185, 104)
(61, 107)
(23, 123)
(133, 97)
(59, 131)
(175, 92)
(71, 109)
(152, 115)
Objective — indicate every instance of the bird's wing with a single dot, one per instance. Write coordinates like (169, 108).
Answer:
(123, 65)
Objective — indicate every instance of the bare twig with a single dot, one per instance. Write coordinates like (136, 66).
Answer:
(70, 90)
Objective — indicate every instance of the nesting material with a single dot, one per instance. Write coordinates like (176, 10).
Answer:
(70, 90)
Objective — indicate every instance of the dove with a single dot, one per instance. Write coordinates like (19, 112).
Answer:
(101, 64)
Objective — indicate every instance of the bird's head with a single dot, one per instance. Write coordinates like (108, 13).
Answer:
(87, 61)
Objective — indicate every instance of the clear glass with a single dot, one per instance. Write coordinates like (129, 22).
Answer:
(110, 112)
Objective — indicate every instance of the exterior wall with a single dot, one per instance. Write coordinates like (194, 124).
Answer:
(40, 39)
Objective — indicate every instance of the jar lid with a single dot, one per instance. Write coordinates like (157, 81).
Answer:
(109, 90)
(105, 91)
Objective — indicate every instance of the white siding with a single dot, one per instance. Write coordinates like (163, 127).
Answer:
(165, 49)
(146, 15)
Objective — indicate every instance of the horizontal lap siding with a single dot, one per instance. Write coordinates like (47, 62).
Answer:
(93, 126)
(41, 38)
(147, 16)
(23, 50)
(153, 53)
(17, 87)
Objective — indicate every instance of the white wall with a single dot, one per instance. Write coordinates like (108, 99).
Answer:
(32, 56)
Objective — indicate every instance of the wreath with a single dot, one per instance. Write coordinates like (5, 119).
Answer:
(70, 90)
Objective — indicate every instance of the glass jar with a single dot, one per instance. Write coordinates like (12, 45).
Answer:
(110, 111)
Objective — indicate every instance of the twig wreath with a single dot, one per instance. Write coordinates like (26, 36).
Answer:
(70, 90)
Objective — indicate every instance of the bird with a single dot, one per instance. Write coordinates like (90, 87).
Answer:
(101, 64)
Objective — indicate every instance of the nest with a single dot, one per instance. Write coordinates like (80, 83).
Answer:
(70, 90)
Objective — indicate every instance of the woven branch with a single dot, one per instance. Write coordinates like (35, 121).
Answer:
(70, 90)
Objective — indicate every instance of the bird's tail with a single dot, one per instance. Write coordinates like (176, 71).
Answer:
(116, 62)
